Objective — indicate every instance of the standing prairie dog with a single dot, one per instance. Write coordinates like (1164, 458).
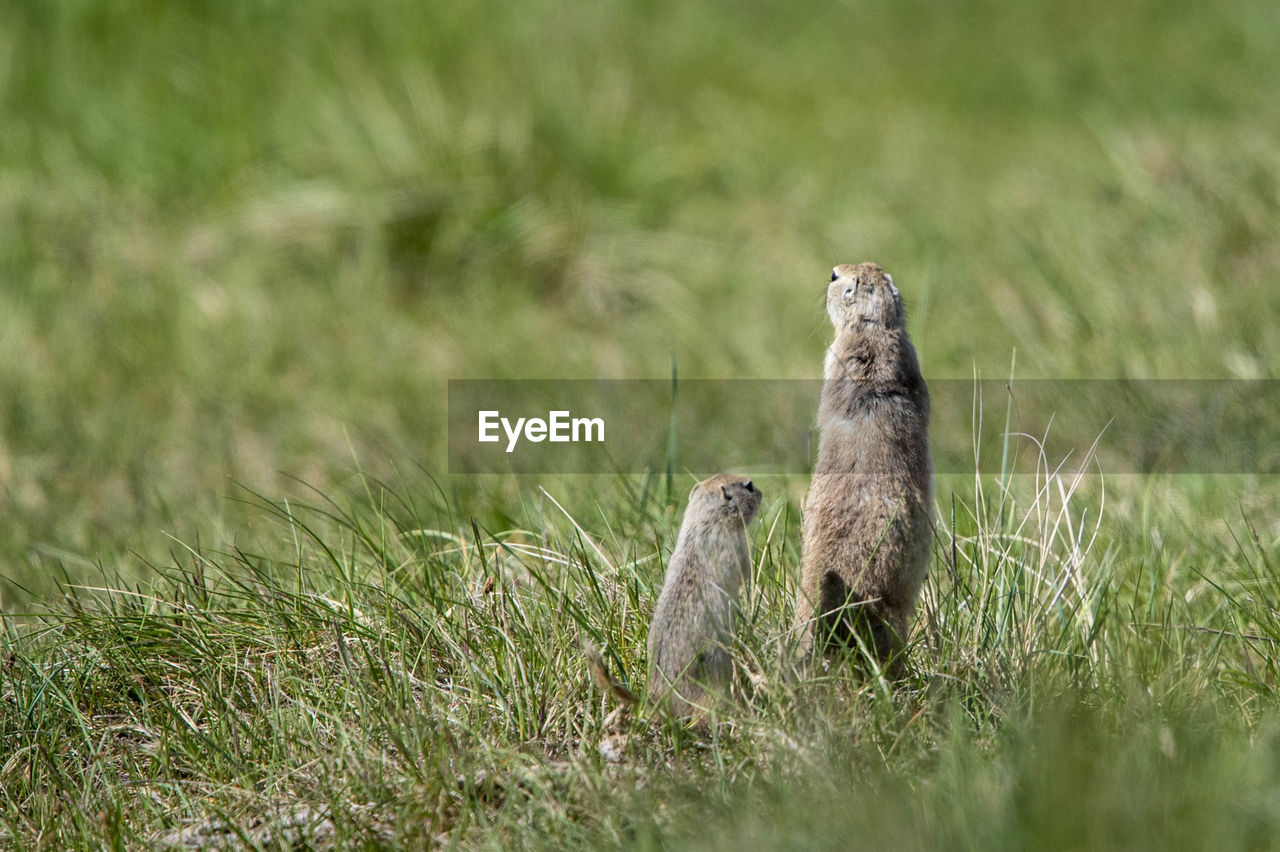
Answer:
(692, 628)
(867, 527)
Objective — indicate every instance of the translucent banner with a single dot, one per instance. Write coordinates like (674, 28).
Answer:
(769, 426)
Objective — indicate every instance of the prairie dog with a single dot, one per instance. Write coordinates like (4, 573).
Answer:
(867, 526)
(692, 626)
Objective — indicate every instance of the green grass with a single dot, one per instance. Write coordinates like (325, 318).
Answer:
(404, 680)
(243, 247)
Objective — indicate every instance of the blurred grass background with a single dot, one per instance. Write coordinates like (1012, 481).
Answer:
(248, 241)
(244, 245)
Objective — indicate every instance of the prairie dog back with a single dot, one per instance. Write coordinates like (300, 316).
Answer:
(867, 526)
(692, 626)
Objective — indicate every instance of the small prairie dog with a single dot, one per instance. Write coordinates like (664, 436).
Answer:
(692, 628)
(867, 526)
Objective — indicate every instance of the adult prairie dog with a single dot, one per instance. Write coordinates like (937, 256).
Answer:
(692, 628)
(867, 527)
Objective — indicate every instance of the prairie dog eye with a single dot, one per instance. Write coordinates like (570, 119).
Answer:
(725, 492)
(834, 275)
(749, 486)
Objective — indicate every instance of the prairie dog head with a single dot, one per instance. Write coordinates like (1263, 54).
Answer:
(863, 295)
(725, 496)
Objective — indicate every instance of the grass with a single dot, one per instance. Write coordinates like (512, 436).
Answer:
(244, 246)
(388, 678)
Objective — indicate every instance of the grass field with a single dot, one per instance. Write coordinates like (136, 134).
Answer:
(243, 247)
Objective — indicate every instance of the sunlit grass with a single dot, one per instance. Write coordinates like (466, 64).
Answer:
(244, 246)
(380, 670)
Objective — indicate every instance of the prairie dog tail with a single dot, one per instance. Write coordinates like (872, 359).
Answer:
(600, 671)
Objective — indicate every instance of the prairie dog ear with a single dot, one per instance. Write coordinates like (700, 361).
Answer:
(892, 287)
(725, 491)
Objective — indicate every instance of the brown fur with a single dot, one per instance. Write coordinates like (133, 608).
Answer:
(867, 527)
(600, 673)
(692, 628)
